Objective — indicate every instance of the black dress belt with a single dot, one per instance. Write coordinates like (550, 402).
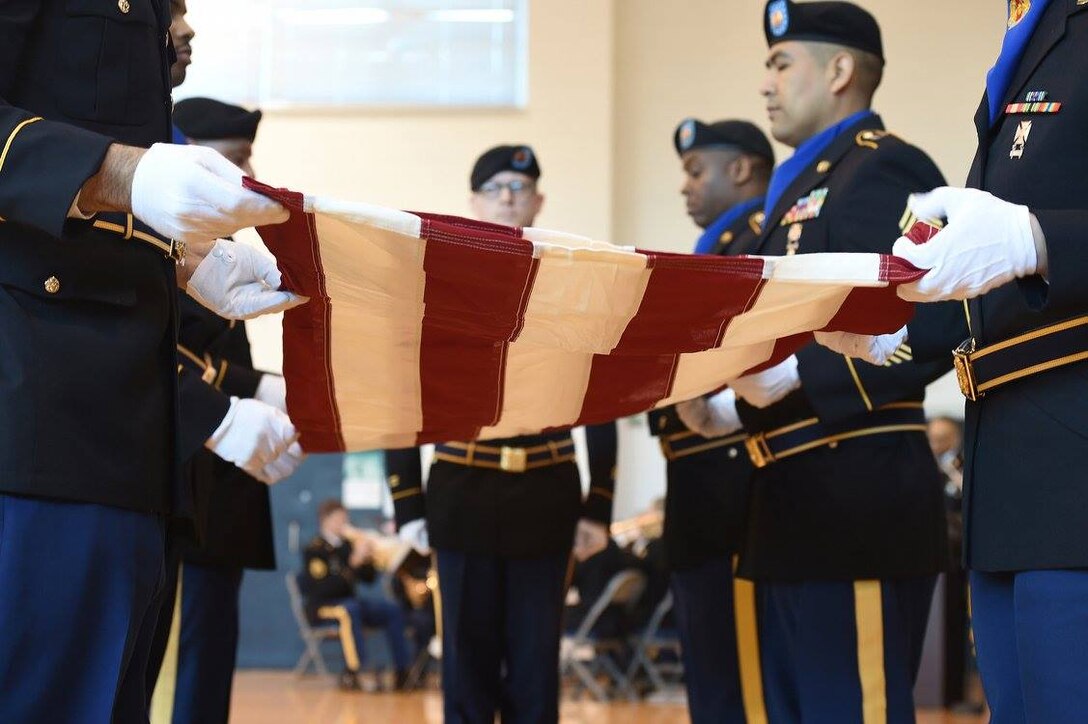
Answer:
(506, 458)
(681, 444)
(981, 369)
(773, 445)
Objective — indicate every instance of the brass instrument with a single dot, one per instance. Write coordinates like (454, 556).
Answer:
(643, 527)
(389, 554)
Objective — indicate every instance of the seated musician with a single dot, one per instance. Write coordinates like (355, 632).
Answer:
(338, 558)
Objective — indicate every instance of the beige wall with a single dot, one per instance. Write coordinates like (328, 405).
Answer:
(609, 81)
(704, 58)
(421, 160)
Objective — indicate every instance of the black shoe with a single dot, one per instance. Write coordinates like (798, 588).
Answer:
(400, 680)
(349, 681)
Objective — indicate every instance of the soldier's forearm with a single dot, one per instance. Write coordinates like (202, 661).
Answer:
(111, 188)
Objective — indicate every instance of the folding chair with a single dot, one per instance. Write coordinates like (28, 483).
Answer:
(585, 655)
(311, 635)
(649, 646)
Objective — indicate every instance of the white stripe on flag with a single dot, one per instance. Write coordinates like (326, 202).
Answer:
(582, 299)
(375, 279)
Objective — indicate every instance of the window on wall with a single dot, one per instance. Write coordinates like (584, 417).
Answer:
(367, 53)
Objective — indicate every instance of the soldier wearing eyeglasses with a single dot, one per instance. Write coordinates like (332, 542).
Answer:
(501, 516)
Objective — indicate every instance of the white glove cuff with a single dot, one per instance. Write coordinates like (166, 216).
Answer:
(221, 431)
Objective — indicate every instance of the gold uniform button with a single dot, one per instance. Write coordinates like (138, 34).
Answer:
(124, 6)
(823, 167)
(394, 480)
(52, 285)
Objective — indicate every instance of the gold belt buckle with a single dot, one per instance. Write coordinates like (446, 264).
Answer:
(965, 371)
(758, 450)
(513, 459)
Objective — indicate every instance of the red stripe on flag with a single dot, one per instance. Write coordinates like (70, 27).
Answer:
(311, 396)
(689, 301)
(477, 287)
(621, 385)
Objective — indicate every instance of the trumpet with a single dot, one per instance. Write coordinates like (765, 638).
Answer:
(389, 554)
(644, 526)
(385, 551)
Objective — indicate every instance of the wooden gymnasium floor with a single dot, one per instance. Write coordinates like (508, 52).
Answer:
(270, 697)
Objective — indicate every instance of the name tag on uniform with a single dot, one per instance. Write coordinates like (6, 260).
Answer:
(807, 207)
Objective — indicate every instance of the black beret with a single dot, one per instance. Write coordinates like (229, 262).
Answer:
(693, 133)
(204, 119)
(840, 23)
(504, 158)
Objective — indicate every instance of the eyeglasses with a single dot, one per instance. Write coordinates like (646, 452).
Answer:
(493, 189)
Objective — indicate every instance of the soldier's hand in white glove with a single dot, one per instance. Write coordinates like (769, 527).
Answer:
(986, 243)
(253, 436)
(192, 193)
(414, 532)
(282, 467)
(874, 349)
(237, 281)
(712, 416)
(765, 388)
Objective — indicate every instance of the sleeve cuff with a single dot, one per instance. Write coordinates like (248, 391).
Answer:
(47, 164)
(598, 505)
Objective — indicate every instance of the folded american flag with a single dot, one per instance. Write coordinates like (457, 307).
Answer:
(427, 328)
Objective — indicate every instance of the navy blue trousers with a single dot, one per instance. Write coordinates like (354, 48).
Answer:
(199, 667)
(842, 652)
(80, 591)
(501, 624)
(705, 620)
(355, 614)
(1031, 635)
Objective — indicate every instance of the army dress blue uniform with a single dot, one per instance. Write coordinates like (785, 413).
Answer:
(501, 516)
(1025, 503)
(846, 532)
(232, 531)
(327, 583)
(706, 498)
(706, 505)
(88, 471)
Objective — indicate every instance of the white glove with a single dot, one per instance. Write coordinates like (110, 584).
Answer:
(986, 243)
(237, 281)
(414, 533)
(283, 466)
(272, 390)
(765, 388)
(253, 436)
(193, 193)
(874, 349)
(711, 417)
(590, 538)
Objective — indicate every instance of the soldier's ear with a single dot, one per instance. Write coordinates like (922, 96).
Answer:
(841, 70)
(741, 170)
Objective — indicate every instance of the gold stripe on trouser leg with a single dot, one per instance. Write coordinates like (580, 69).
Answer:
(869, 613)
(347, 637)
(436, 596)
(162, 701)
(748, 660)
